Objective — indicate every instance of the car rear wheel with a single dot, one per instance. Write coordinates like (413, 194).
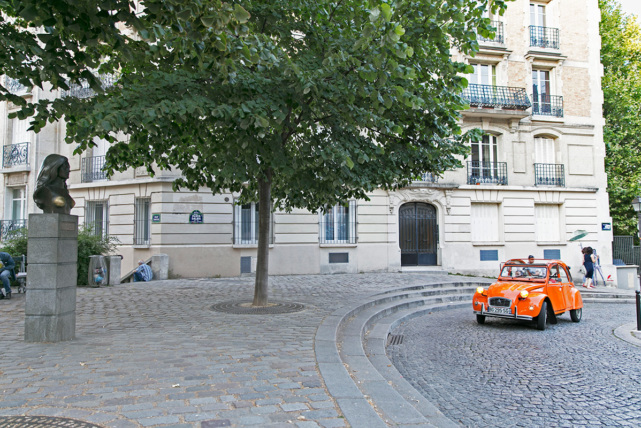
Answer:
(480, 319)
(542, 318)
(576, 314)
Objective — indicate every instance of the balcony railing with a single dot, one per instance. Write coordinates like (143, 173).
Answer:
(84, 91)
(549, 174)
(486, 172)
(9, 227)
(426, 177)
(544, 37)
(496, 97)
(547, 105)
(14, 86)
(15, 154)
(499, 36)
(92, 169)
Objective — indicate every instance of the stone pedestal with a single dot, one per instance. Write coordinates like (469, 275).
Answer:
(160, 266)
(50, 307)
(114, 263)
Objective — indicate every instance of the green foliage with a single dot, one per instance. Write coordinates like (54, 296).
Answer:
(305, 103)
(16, 243)
(621, 58)
(88, 245)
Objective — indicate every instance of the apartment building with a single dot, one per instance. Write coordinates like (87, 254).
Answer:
(535, 177)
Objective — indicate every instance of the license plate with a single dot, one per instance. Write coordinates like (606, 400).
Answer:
(503, 311)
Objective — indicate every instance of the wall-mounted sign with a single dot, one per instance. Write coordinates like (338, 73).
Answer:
(606, 226)
(155, 218)
(196, 217)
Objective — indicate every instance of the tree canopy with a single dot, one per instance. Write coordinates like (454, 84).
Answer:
(621, 59)
(293, 103)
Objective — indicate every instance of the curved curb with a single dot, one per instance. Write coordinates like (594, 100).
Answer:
(358, 408)
(625, 332)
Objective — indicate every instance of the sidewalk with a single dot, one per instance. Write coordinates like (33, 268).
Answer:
(155, 354)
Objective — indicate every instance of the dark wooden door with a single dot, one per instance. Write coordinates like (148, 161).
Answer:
(418, 234)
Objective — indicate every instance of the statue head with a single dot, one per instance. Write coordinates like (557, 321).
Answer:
(51, 194)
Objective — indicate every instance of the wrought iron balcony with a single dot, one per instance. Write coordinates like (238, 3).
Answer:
(10, 227)
(15, 155)
(549, 174)
(84, 91)
(547, 105)
(91, 169)
(486, 172)
(544, 37)
(499, 36)
(496, 97)
(14, 86)
(426, 177)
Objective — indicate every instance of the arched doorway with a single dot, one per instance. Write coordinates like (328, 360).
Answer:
(418, 234)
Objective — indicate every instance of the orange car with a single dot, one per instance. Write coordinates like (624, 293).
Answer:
(539, 290)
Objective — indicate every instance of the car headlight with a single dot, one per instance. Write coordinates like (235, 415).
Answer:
(523, 294)
(480, 290)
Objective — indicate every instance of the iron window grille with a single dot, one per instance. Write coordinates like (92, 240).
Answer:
(479, 172)
(97, 217)
(338, 224)
(544, 37)
(15, 154)
(142, 221)
(246, 224)
(496, 96)
(9, 227)
(549, 174)
(499, 35)
(547, 105)
(91, 169)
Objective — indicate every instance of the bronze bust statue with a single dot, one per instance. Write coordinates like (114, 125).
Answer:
(51, 194)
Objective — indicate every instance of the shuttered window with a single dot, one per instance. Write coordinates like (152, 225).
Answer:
(547, 223)
(485, 222)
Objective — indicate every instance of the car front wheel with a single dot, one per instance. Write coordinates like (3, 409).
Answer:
(576, 314)
(480, 319)
(542, 318)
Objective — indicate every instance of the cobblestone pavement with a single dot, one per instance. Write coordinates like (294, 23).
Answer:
(506, 373)
(154, 354)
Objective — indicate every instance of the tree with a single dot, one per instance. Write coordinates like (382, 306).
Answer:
(621, 59)
(290, 103)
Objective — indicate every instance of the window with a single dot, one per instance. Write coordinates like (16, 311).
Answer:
(544, 150)
(484, 166)
(548, 227)
(18, 203)
(97, 217)
(541, 94)
(142, 221)
(246, 224)
(19, 133)
(485, 222)
(338, 224)
(537, 15)
(484, 74)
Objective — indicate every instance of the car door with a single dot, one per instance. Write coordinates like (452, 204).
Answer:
(567, 285)
(555, 288)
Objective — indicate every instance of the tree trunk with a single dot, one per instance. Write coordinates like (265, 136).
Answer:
(261, 289)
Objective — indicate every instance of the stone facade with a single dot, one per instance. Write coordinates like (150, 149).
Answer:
(536, 178)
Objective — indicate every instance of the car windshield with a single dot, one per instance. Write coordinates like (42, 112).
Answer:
(523, 271)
